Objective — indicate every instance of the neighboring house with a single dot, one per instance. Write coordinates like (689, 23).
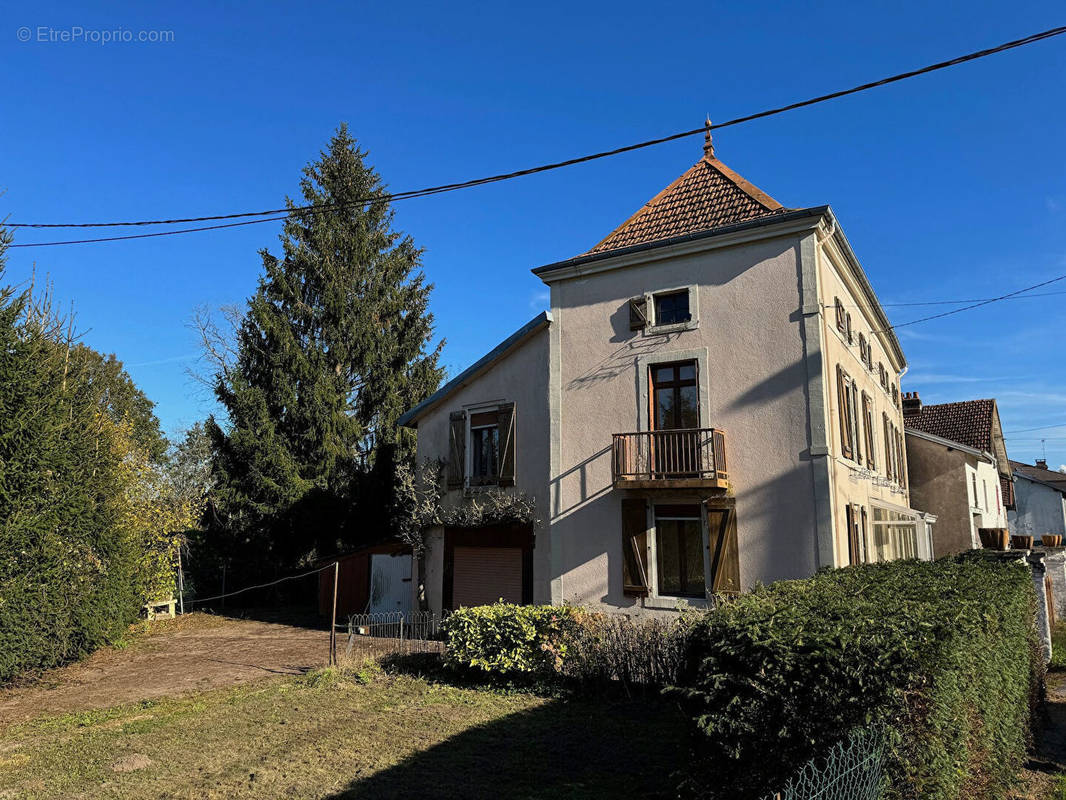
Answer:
(712, 401)
(958, 469)
(1040, 505)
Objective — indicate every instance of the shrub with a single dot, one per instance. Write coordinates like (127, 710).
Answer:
(942, 655)
(605, 648)
(508, 640)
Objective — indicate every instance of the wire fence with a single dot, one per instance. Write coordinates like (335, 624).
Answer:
(393, 633)
(852, 770)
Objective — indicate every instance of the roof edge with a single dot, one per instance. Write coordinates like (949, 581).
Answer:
(760, 222)
(542, 320)
(932, 437)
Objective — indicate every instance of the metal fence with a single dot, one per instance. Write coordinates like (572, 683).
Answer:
(852, 770)
(393, 632)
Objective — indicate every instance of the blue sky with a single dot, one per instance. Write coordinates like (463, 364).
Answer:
(949, 186)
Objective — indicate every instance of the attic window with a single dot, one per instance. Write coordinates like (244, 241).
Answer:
(671, 308)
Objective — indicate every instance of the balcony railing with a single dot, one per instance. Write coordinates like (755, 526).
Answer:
(680, 457)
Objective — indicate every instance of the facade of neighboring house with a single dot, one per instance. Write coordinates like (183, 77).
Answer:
(959, 469)
(1040, 505)
(712, 401)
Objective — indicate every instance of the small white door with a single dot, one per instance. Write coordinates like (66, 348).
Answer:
(483, 575)
(390, 583)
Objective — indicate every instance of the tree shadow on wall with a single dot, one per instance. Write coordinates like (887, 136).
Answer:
(579, 748)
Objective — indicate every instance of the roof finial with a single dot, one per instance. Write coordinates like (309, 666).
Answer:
(708, 145)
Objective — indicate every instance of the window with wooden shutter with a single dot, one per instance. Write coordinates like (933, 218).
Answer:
(864, 353)
(638, 313)
(842, 413)
(888, 447)
(901, 467)
(853, 419)
(505, 415)
(883, 375)
(852, 527)
(868, 430)
(456, 449)
(847, 324)
(724, 550)
(634, 547)
(840, 314)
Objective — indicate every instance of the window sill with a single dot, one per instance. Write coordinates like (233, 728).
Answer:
(667, 603)
(658, 330)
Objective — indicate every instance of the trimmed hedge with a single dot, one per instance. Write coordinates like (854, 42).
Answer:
(942, 655)
(508, 640)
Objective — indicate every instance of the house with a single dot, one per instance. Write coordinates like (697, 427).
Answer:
(1040, 505)
(958, 469)
(712, 401)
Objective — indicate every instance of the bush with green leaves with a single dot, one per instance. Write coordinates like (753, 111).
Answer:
(508, 640)
(943, 656)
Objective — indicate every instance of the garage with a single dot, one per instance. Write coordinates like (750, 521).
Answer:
(488, 563)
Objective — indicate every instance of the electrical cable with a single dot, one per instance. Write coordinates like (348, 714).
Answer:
(1032, 38)
(260, 586)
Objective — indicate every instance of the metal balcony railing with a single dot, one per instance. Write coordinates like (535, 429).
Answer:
(670, 455)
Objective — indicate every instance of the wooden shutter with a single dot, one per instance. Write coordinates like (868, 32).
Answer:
(725, 552)
(842, 403)
(888, 447)
(634, 547)
(840, 313)
(853, 538)
(868, 432)
(456, 449)
(847, 323)
(901, 464)
(638, 313)
(506, 421)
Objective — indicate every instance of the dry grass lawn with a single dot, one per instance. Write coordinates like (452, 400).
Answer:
(363, 734)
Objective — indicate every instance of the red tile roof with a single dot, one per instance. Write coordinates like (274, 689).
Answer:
(709, 195)
(968, 422)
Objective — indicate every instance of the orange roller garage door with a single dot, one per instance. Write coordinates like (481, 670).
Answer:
(483, 575)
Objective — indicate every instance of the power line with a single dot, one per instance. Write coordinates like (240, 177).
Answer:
(1040, 428)
(261, 585)
(972, 306)
(1036, 37)
(949, 302)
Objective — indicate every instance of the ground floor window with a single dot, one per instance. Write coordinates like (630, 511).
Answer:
(679, 551)
(895, 535)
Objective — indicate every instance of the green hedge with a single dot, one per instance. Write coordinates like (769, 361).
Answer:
(942, 655)
(508, 640)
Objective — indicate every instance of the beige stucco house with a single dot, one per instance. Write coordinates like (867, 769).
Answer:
(712, 401)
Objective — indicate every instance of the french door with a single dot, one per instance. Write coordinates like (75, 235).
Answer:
(675, 419)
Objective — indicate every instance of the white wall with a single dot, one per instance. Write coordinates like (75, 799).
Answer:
(1040, 509)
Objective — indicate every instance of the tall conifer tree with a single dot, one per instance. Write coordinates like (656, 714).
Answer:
(335, 344)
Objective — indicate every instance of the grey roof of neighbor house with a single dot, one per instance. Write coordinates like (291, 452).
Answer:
(542, 320)
(1048, 477)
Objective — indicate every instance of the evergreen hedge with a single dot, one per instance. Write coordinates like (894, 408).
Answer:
(79, 529)
(942, 655)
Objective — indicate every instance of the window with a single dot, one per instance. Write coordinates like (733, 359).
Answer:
(847, 327)
(675, 396)
(841, 322)
(889, 460)
(849, 428)
(882, 373)
(672, 308)
(895, 535)
(864, 351)
(484, 448)
(895, 396)
(973, 485)
(679, 551)
(868, 430)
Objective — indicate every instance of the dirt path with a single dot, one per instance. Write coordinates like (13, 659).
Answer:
(195, 653)
(1048, 760)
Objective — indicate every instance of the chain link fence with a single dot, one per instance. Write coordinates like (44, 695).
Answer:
(852, 770)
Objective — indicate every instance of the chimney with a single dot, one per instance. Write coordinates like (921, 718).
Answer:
(1041, 463)
(912, 403)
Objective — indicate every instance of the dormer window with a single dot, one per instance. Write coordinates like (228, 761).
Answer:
(671, 308)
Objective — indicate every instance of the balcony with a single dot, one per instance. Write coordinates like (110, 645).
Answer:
(684, 458)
